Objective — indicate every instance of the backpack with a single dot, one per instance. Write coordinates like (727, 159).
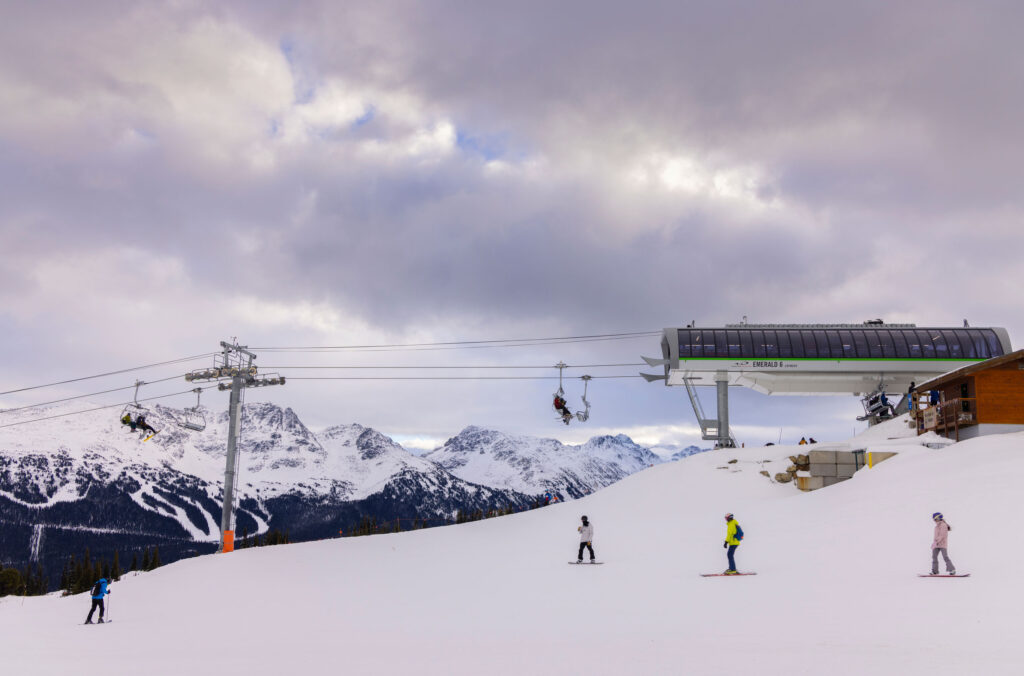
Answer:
(96, 589)
(739, 532)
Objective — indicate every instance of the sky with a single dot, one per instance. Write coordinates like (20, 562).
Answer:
(174, 174)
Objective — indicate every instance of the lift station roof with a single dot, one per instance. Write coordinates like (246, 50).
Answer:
(822, 358)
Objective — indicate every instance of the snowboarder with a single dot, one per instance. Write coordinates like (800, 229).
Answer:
(99, 590)
(563, 409)
(126, 419)
(141, 423)
(733, 535)
(586, 532)
(940, 544)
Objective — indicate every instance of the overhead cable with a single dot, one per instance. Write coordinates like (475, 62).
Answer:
(465, 344)
(112, 373)
(101, 408)
(83, 396)
(453, 368)
(290, 378)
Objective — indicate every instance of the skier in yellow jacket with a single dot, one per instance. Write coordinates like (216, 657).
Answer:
(733, 535)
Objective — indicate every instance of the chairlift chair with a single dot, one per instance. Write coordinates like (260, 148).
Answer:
(581, 416)
(193, 418)
(134, 406)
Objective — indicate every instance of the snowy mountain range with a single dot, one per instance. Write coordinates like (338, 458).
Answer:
(86, 479)
(525, 464)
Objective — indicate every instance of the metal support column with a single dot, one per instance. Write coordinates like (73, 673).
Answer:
(725, 439)
(235, 363)
(234, 413)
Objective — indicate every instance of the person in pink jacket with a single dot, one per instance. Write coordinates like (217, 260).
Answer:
(940, 543)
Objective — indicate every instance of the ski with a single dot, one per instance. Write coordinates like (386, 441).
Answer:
(947, 575)
(588, 563)
(150, 436)
(725, 574)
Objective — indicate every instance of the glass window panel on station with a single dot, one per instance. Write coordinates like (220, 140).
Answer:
(874, 344)
(708, 338)
(835, 344)
(771, 344)
(684, 343)
(888, 348)
(900, 342)
(798, 344)
(861, 341)
(733, 340)
(995, 347)
(822, 340)
(927, 349)
(953, 344)
(746, 349)
(976, 344)
(721, 347)
(810, 347)
(757, 342)
(848, 350)
(785, 347)
(939, 341)
(913, 343)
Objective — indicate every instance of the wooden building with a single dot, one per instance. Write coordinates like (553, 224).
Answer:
(979, 399)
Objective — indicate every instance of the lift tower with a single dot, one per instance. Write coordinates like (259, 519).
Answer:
(233, 371)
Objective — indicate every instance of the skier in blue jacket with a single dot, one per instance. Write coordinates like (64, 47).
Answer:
(99, 590)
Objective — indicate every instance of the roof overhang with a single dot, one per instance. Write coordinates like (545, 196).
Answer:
(812, 376)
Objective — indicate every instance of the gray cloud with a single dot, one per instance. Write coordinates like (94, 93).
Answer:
(171, 175)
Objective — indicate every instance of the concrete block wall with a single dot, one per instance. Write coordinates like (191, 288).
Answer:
(828, 468)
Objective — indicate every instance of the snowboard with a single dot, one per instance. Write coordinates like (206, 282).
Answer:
(725, 575)
(946, 575)
(586, 563)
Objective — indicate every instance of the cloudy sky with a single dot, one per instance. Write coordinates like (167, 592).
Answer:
(174, 174)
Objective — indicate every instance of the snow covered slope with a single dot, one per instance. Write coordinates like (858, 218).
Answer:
(533, 466)
(836, 590)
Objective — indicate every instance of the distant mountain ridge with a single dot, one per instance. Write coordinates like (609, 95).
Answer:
(532, 465)
(87, 479)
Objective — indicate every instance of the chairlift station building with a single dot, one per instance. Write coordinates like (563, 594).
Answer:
(837, 359)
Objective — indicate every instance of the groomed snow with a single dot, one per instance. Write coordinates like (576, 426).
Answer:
(836, 590)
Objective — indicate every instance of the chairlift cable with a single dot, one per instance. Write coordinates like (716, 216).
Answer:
(83, 396)
(99, 408)
(291, 378)
(505, 342)
(113, 373)
(453, 368)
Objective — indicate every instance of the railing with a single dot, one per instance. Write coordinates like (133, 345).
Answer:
(949, 416)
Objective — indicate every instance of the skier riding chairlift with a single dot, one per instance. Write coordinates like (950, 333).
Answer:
(126, 412)
(560, 404)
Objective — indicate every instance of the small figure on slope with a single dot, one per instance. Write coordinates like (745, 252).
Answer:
(99, 590)
(940, 544)
(733, 536)
(586, 532)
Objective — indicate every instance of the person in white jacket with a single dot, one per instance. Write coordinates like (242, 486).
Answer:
(586, 540)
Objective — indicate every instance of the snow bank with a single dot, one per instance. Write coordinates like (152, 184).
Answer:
(836, 590)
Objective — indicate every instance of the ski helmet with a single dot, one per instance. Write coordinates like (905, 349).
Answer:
(937, 515)
(584, 517)
(728, 515)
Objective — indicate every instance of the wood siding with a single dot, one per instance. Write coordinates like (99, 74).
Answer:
(1000, 394)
